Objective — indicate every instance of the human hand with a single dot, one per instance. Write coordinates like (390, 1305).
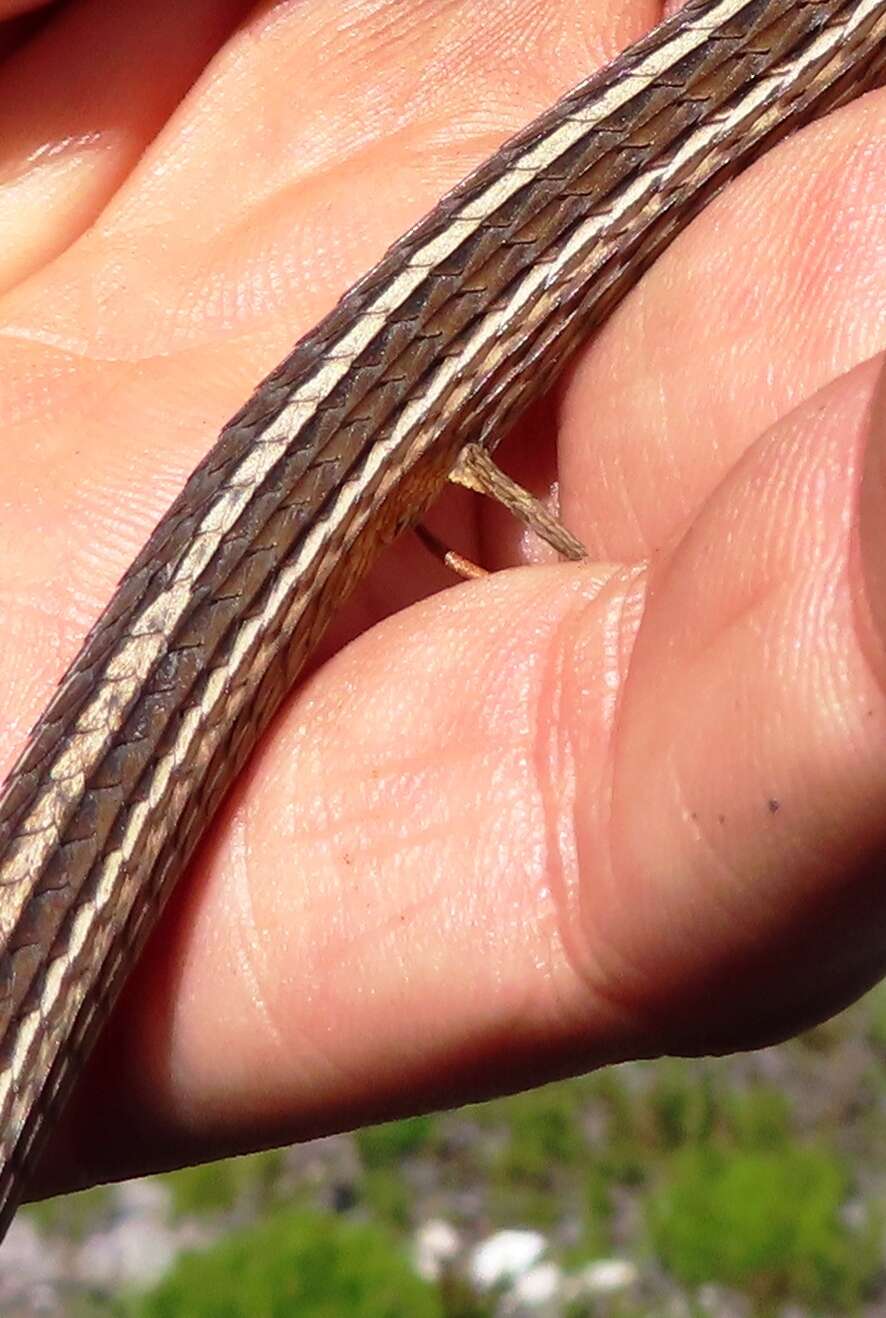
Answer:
(536, 823)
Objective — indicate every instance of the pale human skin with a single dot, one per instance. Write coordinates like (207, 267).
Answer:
(526, 825)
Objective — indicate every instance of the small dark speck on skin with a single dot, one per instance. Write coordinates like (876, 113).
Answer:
(721, 819)
(694, 816)
(774, 806)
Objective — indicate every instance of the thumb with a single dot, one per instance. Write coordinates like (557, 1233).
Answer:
(749, 813)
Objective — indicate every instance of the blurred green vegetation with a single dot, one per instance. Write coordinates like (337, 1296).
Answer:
(875, 1004)
(310, 1264)
(217, 1187)
(765, 1221)
(382, 1146)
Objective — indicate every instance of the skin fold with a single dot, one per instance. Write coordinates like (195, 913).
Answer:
(523, 826)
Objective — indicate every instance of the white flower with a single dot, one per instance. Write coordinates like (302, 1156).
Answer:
(505, 1256)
